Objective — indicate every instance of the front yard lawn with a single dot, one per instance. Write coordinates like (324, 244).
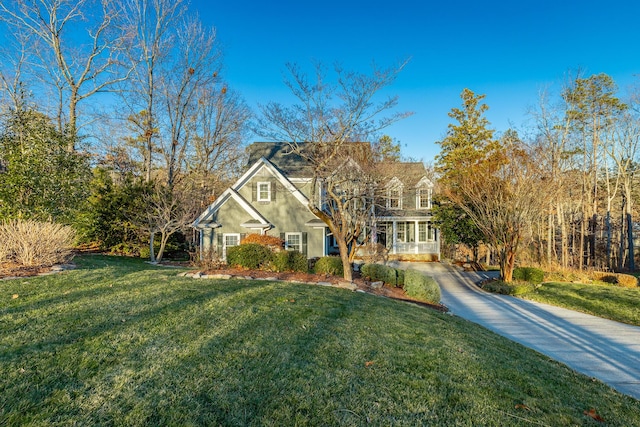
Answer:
(119, 342)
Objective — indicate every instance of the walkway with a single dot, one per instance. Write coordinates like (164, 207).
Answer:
(599, 348)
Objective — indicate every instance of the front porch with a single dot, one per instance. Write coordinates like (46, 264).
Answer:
(409, 236)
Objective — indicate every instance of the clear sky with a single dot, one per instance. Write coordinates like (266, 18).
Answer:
(508, 50)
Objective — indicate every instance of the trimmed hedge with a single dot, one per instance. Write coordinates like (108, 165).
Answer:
(528, 274)
(251, 255)
(379, 272)
(422, 287)
(290, 261)
(329, 265)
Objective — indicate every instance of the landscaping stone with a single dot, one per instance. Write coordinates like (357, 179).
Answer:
(347, 285)
(325, 283)
(217, 276)
(377, 285)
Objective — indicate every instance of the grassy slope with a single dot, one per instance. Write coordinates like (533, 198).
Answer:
(121, 343)
(608, 301)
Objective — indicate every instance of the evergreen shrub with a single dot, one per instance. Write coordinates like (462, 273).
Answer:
(329, 265)
(251, 255)
(421, 287)
(290, 261)
(529, 274)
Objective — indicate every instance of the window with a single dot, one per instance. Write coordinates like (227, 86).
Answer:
(293, 241)
(422, 232)
(264, 191)
(423, 198)
(394, 201)
(401, 232)
(229, 240)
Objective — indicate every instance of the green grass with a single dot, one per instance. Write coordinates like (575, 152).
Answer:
(119, 342)
(603, 300)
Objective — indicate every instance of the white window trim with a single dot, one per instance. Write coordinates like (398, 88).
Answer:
(258, 198)
(286, 240)
(398, 191)
(418, 194)
(224, 242)
(426, 232)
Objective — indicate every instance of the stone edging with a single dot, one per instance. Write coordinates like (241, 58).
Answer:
(199, 275)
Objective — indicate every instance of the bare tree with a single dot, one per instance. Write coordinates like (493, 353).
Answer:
(151, 25)
(221, 126)
(322, 127)
(624, 151)
(169, 210)
(77, 46)
(501, 193)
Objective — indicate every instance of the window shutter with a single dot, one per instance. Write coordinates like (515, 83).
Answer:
(304, 243)
(242, 236)
(219, 246)
(254, 191)
(274, 186)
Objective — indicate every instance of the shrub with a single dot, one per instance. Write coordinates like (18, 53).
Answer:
(388, 275)
(290, 261)
(421, 287)
(129, 249)
(251, 255)
(33, 243)
(623, 280)
(401, 274)
(500, 287)
(329, 265)
(207, 260)
(528, 274)
(374, 271)
(264, 240)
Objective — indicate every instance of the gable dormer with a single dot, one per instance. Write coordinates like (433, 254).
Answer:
(424, 192)
(394, 193)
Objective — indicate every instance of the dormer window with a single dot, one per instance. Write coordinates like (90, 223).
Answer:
(424, 190)
(394, 201)
(394, 194)
(264, 192)
(423, 198)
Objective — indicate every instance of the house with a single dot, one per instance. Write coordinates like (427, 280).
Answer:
(272, 196)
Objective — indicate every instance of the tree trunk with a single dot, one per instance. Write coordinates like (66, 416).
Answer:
(344, 256)
(164, 237)
(152, 255)
(608, 230)
(507, 264)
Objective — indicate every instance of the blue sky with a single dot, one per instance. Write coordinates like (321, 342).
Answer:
(508, 50)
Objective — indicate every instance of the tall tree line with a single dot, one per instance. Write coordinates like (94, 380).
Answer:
(563, 196)
(134, 87)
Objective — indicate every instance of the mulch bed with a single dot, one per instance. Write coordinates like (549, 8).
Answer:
(363, 284)
(11, 270)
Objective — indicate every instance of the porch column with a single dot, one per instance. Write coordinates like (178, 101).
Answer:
(394, 245)
(416, 242)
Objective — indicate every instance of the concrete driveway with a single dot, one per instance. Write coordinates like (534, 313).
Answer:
(599, 348)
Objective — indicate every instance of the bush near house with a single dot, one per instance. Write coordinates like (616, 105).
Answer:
(329, 265)
(389, 275)
(250, 255)
(290, 261)
(421, 287)
(264, 240)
